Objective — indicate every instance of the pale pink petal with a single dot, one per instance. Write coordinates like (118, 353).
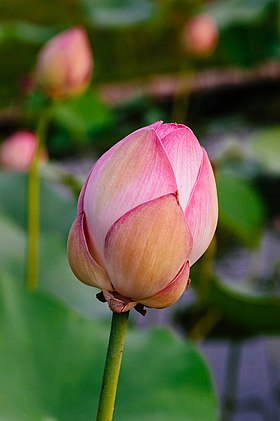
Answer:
(185, 154)
(172, 292)
(146, 247)
(202, 210)
(134, 171)
(101, 161)
(80, 207)
(82, 263)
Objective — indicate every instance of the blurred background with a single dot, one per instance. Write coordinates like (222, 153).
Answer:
(212, 65)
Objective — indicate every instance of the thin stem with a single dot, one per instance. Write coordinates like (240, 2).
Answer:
(232, 373)
(112, 367)
(33, 209)
(32, 227)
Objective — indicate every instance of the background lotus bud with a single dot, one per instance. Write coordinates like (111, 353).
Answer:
(18, 150)
(64, 64)
(200, 35)
(146, 213)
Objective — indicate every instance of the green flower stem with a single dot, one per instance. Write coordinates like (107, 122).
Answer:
(33, 208)
(112, 367)
(231, 380)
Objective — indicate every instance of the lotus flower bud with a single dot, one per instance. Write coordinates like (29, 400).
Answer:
(146, 213)
(200, 35)
(64, 64)
(18, 150)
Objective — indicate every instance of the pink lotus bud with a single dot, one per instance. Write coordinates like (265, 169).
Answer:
(64, 64)
(18, 150)
(146, 213)
(200, 35)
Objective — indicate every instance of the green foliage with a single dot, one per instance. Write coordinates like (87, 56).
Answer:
(62, 12)
(232, 11)
(82, 114)
(58, 207)
(266, 148)
(120, 13)
(51, 364)
(78, 121)
(250, 312)
(58, 213)
(230, 310)
(249, 30)
(241, 210)
(25, 32)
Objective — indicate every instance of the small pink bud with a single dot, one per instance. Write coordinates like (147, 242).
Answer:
(18, 150)
(200, 35)
(146, 213)
(64, 64)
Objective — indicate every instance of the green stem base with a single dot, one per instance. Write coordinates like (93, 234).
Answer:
(112, 367)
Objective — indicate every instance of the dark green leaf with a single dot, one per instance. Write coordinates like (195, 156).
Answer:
(82, 114)
(52, 361)
(266, 147)
(233, 11)
(253, 313)
(241, 210)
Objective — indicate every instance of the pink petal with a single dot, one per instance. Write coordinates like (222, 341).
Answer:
(134, 171)
(185, 154)
(83, 265)
(146, 247)
(103, 158)
(170, 294)
(202, 210)
(80, 207)
(166, 128)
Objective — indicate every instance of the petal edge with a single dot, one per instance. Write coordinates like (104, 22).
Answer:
(202, 210)
(83, 265)
(172, 292)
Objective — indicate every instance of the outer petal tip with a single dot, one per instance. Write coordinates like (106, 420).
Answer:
(172, 292)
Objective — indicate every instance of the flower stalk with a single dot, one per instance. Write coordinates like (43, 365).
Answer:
(112, 367)
(33, 208)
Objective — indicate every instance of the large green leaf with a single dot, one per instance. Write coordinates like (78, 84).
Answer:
(250, 312)
(241, 210)
(51, 367)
